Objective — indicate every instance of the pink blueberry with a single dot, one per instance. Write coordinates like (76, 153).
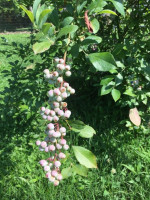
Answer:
(58, 146)
(66, 147)
(50, 126)
(46, 168)
(54, 173)
(38, 142)
(51, 148)
(62, 155)
(62, 129)
(43, 144)
(59, 177)
(63, 141)
(56, 183)
(43, 163)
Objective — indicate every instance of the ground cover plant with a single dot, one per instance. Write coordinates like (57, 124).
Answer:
(109, 58)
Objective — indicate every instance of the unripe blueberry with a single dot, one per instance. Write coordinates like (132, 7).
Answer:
(72, 91)
(63, 104)
(51, 93)
(41, 149)
(67, 114)
(60, 79)
(38, 142)
(57, 109)
(51, 132)
(57, 91)
(55, 74)
(63, 89)
(62, 129)
(61, 113)
(56, 119)
(68, 73)
(48, 174)
(43, 109)
(59, 98)
(62, 155)
(66, 85)
(46, 149)
(63, 134)
(66, 147)
(62, 141)
(47, 111)
(46, 71)
(46, 168)
(57, 164)
(56, 183)
(44, 116)
(43, 144)
(52, 113)
(56, 60)
(58, 146)
(47, 76)
(43, 163)
(51, 179)
(51, 148)
(54, 173)
(64, 95)
(59, 177)
(53, 140)
(57, 134)
(67, 67)
(61, 61)
(56, 104)
(50, 126)
(49, 118)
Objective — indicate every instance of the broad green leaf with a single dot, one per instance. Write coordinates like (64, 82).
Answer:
(115, 94)
(87, 132)
(102, 61)
(42, 16)
(85, 157)
(129, 92)
(95, 25)
(76, 125)
(107, 11)
(118, 79)
(35, 6)
(45, 28)
(67, 21)
(38, 12)
(91, 40)
(75, 50)
(28, 12)
(119, 6)
(106, 89)
(80, 169)
(97, 5)
(66, 172)
(66, 30)
(42, 46)
(80, 7)
(106, 80)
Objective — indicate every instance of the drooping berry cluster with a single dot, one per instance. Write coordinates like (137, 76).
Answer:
(55, 143)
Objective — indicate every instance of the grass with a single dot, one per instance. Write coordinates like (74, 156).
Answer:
(127, 152)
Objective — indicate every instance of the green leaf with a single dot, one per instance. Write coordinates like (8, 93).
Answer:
(106, 89)
(35, 6)
(66, 172)
(118, 79)
(87, 132)
(28, 12)
(66, 30)
(91, 40)
(75, 50)
(38, 12)
(95, 25)
(80, 169)
(107, 11)
(97, 5)
(129, 92)
(106, 80)
(42, 16)
(67, 21)
(102, 61)
(119, 6)
(85, 157)
(115, 94)
(76, 125)
(45, 28)
(42, 46)
(80, 7)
